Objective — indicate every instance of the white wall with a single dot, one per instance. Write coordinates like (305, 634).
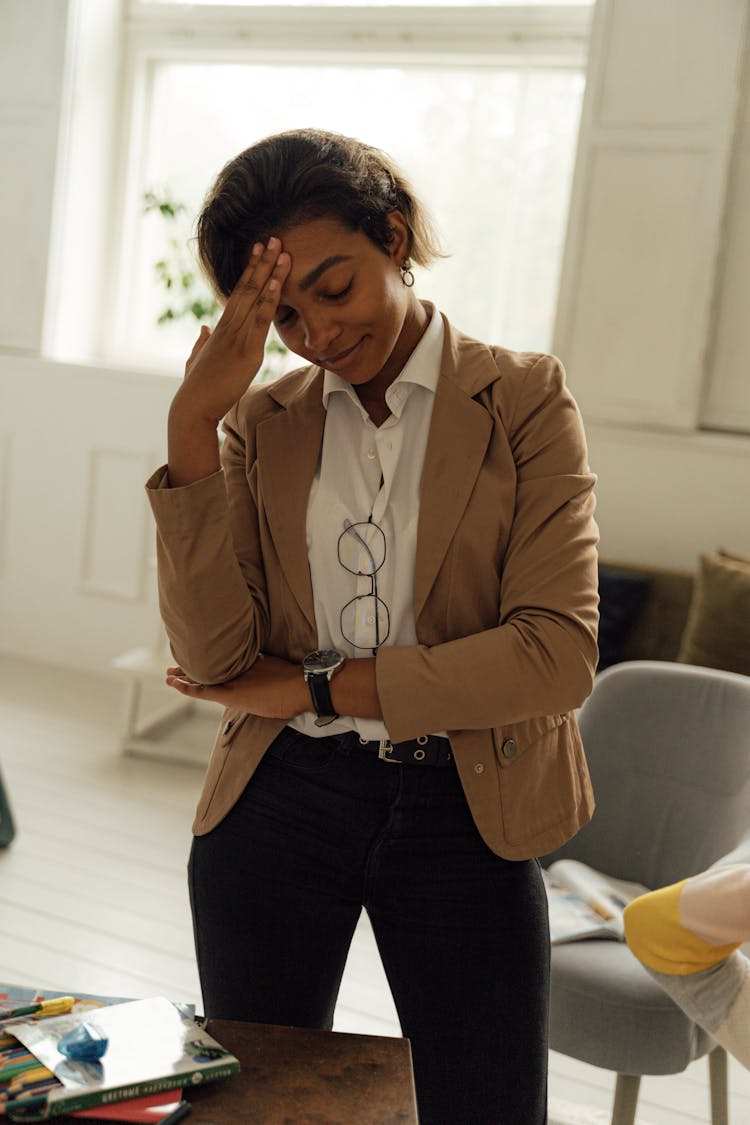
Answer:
(77, 442)
(77, 549)
(648, 207)
(655, 285)
(664, 498)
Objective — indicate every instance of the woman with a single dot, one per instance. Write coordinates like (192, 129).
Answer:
(389, 579)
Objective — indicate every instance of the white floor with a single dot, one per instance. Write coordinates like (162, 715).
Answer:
(93, 895)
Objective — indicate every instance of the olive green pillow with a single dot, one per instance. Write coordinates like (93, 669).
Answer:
(717, 631)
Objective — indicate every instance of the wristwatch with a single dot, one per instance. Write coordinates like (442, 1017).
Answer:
(319, 668)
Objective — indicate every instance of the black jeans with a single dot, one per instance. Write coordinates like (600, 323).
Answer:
(277, 888)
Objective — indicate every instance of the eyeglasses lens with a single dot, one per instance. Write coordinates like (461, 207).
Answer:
(365, 622)
(362, 548)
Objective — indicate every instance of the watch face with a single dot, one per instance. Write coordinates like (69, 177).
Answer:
(322, 660)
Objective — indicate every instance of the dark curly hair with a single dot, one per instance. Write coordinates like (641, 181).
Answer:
(294, 177)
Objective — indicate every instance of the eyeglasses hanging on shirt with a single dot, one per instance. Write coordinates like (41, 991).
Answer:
(365, 620)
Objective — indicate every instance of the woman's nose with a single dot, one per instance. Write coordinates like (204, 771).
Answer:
(320, 335)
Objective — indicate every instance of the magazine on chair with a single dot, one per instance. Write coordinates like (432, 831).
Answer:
(585, 903)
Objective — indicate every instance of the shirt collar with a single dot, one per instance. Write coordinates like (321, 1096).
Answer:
(422, 369)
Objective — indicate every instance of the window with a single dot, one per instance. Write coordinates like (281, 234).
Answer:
(479, 105)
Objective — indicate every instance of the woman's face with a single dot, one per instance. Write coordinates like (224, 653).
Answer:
(343, 305)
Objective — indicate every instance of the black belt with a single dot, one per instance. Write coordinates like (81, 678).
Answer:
(428, 750)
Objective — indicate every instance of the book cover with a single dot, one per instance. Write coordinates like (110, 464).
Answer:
(135, 1111)
(585, 903)
(14, 995)
(152, 1047)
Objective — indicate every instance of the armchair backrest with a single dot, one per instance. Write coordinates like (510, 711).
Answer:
(668, 746)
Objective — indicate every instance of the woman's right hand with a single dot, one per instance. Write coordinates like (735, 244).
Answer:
(223, 363)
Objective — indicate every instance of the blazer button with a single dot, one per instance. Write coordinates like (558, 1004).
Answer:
(479, 768)
(228, 726)
(509, 748)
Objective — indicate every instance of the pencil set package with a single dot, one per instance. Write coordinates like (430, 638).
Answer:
(22, 1075)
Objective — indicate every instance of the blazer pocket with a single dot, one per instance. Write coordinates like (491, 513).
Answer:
(513, 740)
(542, 775)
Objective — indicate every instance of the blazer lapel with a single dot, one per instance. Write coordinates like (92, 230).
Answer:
(460, 431)
(289, 446)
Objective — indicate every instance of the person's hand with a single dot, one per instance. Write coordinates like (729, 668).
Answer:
(223, 363)
(272, 688)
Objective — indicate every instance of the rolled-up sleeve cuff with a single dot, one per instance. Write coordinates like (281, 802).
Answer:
(159, 481)
(205, 499)
(395, 667)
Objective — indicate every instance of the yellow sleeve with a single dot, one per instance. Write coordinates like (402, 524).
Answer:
(656, 936)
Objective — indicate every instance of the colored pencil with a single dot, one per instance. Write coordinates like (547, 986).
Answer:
(19, 1067)
(29, 1077)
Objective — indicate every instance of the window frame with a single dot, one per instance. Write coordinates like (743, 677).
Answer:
(528, 36)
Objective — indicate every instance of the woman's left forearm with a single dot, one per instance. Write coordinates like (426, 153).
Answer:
(276, 689)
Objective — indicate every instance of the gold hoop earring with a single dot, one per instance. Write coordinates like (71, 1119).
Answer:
(407, 275)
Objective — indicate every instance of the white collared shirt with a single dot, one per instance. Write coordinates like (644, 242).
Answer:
(367, 471)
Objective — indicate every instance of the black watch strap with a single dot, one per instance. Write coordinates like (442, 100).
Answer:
(320, 690)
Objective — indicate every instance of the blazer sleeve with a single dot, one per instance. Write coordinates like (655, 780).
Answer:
(541, 657)
(212, 590)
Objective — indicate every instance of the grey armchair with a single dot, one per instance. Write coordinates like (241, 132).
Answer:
(668, 746)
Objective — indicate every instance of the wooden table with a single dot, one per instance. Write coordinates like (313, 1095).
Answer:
(294, 1076)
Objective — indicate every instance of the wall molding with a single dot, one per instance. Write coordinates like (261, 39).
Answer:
(115, 555)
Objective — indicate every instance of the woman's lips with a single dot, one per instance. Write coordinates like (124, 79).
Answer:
(344, 359)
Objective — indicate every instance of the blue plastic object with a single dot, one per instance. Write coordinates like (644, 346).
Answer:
(84, 1044)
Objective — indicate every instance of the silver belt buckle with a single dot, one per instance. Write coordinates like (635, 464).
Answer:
(385, 750)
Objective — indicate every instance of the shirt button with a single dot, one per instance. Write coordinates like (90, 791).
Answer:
(479, 768)
(370, 454)
(509, 748)
(370, 620)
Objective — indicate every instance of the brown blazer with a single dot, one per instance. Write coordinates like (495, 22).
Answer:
(505, 587)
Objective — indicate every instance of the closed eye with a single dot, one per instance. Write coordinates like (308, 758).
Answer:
(338, 296)
(287, 316)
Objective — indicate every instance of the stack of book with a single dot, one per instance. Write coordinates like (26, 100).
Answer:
(151, 1048)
